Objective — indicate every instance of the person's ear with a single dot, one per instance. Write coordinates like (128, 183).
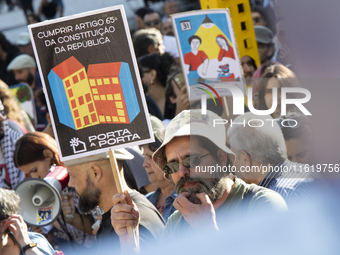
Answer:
(32, 70)
(96, 172)
(3, 226)
(48, 153)
(166, 176)
(153, 74)
(222, 157)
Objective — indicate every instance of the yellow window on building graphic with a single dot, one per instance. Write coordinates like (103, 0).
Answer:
(102, 97)
(99, 81)
(92, 82)
(115, 80)
(119, 104)
(94, 91)
(122, 119)
(120, 112)
(106, 81)
(117, 96)
(96, 97)
(109, 97)
(108, 118)
(114, 119)
(101, 118)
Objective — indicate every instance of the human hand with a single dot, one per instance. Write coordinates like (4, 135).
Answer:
(19, 229)
(199, 216)
(68, 207)
(182, 100)
(286, 55)
(124, 215)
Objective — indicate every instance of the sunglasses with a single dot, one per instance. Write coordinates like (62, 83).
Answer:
(155, 22)
(257, 19)
(189, 162)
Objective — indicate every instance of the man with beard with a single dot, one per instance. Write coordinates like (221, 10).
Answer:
(167, 27)
(249, 67)
(153, 19)
(265, 45)
(93, 181)
(25, 70)
(194, 156)
(10, 176)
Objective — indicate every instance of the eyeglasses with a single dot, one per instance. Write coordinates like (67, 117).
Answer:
(189, 162)
(149, 23)
(262, 46)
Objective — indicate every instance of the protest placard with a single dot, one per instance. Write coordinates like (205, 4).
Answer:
(91, 82)
(208, 52)
(24, 95)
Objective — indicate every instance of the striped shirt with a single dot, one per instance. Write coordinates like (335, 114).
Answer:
(293, 181)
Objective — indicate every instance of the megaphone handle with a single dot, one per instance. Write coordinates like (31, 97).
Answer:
(119, 186)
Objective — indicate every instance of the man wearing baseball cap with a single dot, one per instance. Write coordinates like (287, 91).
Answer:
(265, 45)
(94, 184)
(25, 70)
(195, 158)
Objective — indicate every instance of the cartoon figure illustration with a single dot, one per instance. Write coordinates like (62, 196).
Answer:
(195, 58)
(210, 49)
(226, 50)
(24, 95)
(224, 73)
(44, 214)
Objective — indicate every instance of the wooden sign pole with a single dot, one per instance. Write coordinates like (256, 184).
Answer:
(119, 186)
(225, 107)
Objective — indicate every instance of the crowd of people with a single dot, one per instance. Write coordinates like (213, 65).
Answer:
(172, 187)
(48, 9)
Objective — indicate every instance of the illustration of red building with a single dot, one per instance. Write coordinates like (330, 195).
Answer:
(77, 109)
(98, 96)
(107, 92)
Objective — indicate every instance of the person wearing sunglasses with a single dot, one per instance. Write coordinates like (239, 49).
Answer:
(192, 144)
(261, 143)
(153, 19)
(298, 137)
